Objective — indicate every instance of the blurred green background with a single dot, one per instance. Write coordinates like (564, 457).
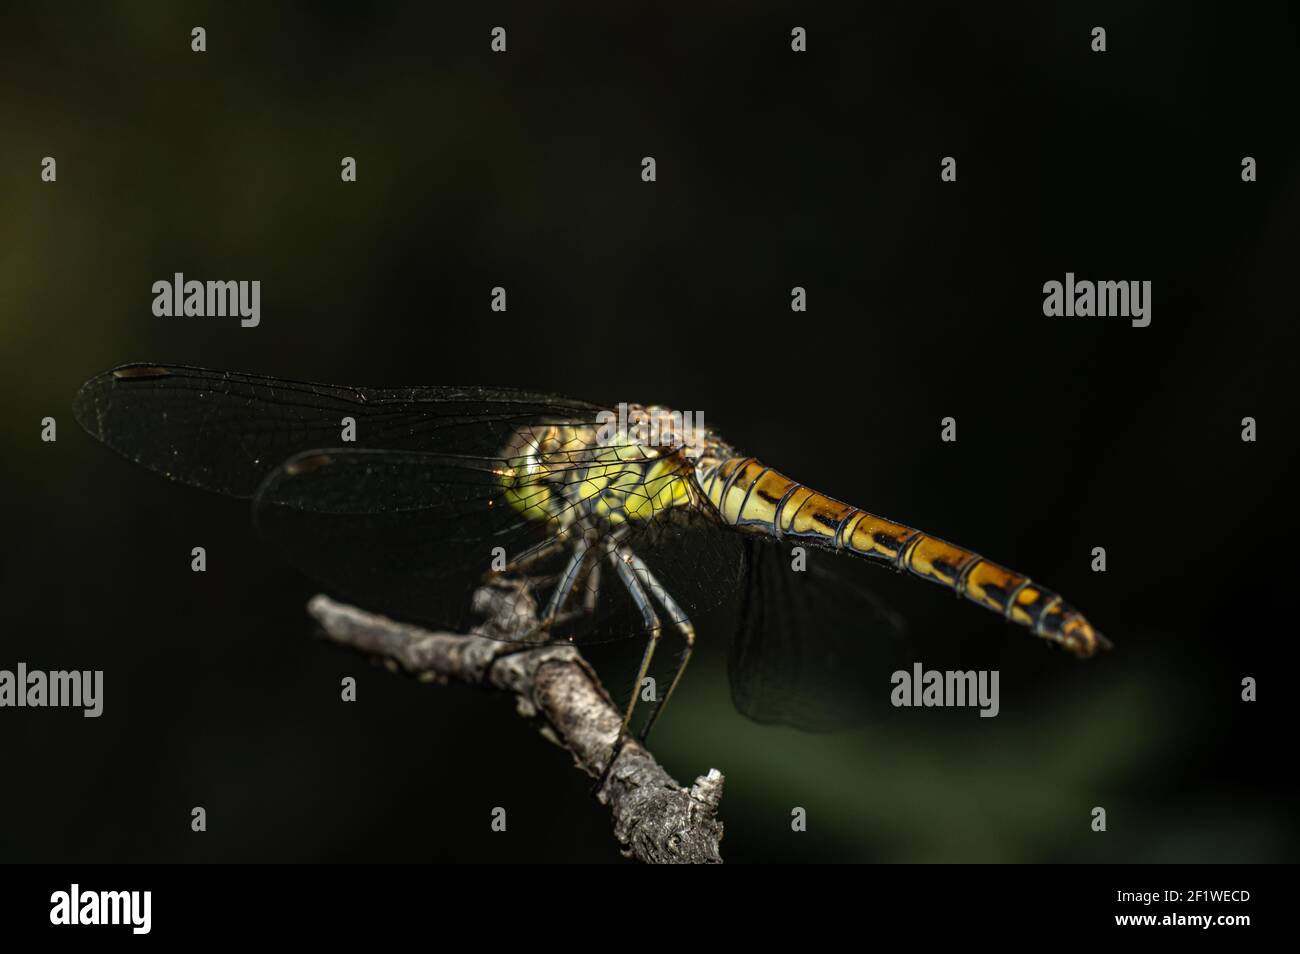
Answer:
(774, 170)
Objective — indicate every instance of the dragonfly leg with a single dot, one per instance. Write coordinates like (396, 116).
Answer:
(567, 579)
(591, 594)
(622, 558)
(679, 619)
(534, 554)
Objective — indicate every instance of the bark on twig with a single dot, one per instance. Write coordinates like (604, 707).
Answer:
(656, 820)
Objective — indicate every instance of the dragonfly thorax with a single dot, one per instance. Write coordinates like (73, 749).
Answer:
(656, 427)
(631, 464)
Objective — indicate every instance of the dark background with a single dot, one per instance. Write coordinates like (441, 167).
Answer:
(774, 170)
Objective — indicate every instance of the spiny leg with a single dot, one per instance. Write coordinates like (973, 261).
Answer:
(534, 554)
(583, 567)
(531, 556)
(563, 589)
(625, 573)
(592, 593)
(565, 586)
(592, 580)
(680, 620)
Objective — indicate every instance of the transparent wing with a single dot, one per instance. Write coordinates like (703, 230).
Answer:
(814, 649)
(413, 534)
(409, 517)
(225, 431)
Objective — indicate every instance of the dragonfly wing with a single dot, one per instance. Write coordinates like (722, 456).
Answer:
(412, 534)
(814, 649)
(226, 431)
(409, 534)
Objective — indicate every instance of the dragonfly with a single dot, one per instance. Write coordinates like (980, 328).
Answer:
(621, 522)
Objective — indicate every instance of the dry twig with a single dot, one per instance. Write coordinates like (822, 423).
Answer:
(656, 820)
